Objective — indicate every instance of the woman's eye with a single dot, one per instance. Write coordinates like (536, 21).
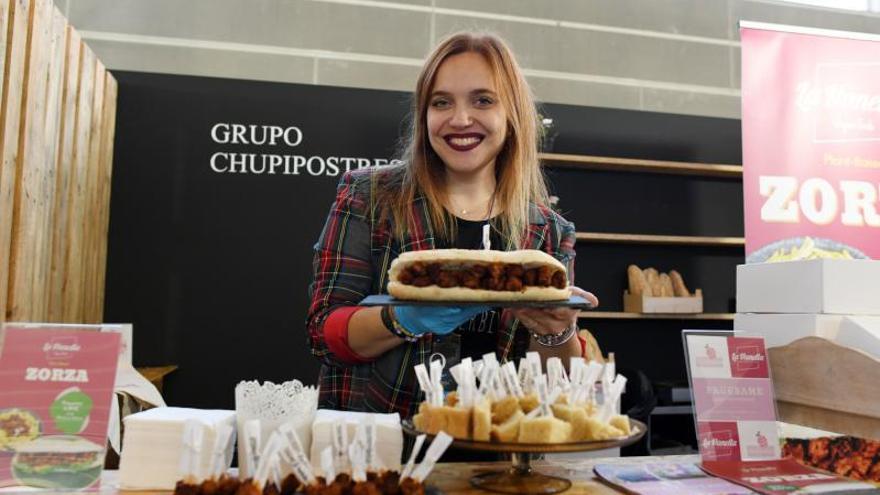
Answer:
(485, 101)
(440, 103)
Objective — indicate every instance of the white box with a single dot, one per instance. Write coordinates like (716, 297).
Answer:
(861, 333)
(848, 287)
(856, 332)
(781, 329)
(389, 436)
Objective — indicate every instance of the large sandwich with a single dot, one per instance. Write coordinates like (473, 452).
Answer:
(478, 275)
(58, 462)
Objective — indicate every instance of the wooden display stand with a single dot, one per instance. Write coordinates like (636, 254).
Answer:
(826, 386)
(648, 304)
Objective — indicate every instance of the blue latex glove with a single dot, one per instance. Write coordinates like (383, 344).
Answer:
(441, 320)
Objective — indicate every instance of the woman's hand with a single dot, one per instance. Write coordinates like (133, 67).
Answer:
(552, 321)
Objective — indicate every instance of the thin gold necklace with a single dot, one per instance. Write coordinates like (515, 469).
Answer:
(465, 211)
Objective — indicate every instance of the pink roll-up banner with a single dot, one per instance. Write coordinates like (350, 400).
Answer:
(811, 143)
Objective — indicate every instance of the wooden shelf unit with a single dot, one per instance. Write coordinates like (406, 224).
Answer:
(620, 315)
(637, 165)
(679, 240)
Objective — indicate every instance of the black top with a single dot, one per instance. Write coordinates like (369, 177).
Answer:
(470, 235)
(476, 337)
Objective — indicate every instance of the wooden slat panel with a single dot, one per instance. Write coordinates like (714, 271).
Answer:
(53, 97)
(108, 133)
(18, 14)
(64, 160)
(28, 253)
(5, 11)
(56, 148)
(90, 233)
(52, 47)
(73, 280)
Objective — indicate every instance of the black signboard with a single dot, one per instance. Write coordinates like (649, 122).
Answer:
(220, 190)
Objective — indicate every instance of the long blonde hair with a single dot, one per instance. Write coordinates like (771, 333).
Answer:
(519, 179)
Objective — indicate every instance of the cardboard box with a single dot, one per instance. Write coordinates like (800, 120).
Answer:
(855, 332)
(782, 329)
(848, 287)
(862, 333)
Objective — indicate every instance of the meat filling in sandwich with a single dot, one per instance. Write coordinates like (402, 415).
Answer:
(462, 275)
(491, 276)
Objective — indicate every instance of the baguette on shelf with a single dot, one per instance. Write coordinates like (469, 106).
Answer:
(651, 291)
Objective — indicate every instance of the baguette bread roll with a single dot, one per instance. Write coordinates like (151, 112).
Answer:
(678, 286)
(652, 278)
(593, 351)
(637, 283)
(455, 269)
(666, 286)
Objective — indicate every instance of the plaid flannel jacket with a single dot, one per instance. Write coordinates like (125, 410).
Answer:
(351, 261)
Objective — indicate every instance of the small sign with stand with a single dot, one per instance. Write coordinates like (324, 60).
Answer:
(56, 388)
(735, 416)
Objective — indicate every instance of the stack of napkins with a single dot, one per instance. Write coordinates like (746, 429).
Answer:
(389, 436)
(153, 442)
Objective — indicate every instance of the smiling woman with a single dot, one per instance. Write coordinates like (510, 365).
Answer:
(467, 124)
(468, 178)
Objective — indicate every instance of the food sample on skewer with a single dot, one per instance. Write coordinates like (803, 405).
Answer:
(283, 453)
(497, 403)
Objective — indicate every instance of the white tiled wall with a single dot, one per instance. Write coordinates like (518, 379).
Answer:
(678, 56)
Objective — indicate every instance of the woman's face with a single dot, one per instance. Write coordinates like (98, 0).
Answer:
(467, 124)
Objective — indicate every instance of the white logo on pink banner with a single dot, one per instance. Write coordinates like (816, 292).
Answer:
(709, 357)
(760, 440)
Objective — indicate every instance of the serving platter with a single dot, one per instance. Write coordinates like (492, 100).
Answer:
(520, 478)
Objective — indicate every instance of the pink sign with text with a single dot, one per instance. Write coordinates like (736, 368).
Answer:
(811, 143)
(733, 397)
(56, 387)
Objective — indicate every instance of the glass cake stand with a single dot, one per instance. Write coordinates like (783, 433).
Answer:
(520, 478)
